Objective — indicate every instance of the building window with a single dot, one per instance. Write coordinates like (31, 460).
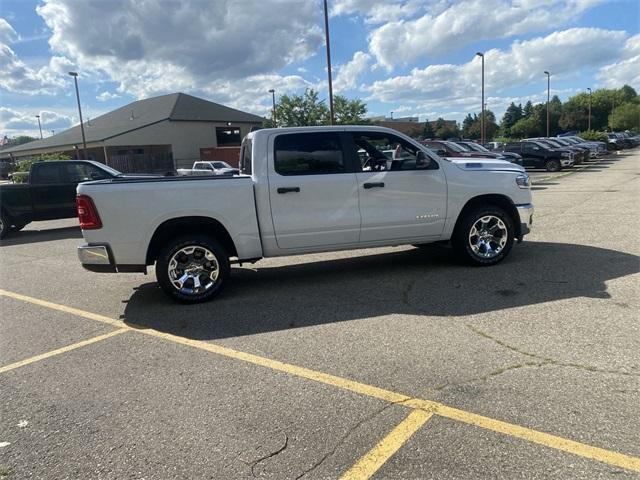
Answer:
(228, 136)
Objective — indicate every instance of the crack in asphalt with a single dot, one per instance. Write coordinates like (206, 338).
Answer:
(270, 455)
(542, 360)
(340, 442)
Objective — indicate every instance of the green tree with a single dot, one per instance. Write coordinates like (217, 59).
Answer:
(626, 117)
(19, 140)
(349, 112)
(527, 127)
(427, 130)
(527, 111)
(510, 117)
(445, 130)
(301, 110)
(470, 126)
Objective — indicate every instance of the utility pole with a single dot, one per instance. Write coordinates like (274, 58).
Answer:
(481, 55)
(326, 33)
(589, 128)
(273, 98)
(84, 142)
(548, 97)
(39, 126)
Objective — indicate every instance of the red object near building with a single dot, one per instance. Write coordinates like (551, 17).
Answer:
(231, 155)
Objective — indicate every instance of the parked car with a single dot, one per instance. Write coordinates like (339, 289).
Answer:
(475, 147)
(596, 148)
(302, 190)
(615, 143)
(447, 149)
(49, 194)
(491, 146)
(580, 154)
(215, 167)
(538, 155)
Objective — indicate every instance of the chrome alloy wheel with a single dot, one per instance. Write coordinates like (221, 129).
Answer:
(193, 270)
(488, 236)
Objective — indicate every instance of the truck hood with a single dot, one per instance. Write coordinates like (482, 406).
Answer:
(485, 164)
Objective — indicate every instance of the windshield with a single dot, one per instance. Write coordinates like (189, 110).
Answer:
(454, 146)
(551, 143)
(107, 169)
(476, 147)
(466, 147)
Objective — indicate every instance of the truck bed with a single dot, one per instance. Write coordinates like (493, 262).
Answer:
(149, 202)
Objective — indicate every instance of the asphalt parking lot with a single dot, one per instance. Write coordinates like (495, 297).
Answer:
(384, 363)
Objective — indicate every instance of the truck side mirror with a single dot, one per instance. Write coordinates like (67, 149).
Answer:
(422, 161)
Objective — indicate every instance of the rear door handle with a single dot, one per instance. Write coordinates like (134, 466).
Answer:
(288, 189)
(373, 185)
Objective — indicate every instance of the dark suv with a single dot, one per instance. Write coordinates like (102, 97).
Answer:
(451, 149)
(538, 155)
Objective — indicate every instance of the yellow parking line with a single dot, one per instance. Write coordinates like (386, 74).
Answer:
(606, 456)
(384, 450)
(58, 351)
(62, 308)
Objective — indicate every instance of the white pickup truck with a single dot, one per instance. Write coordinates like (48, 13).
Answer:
(302, 190)
(216, 167)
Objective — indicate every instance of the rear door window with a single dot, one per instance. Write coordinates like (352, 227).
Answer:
(309, 154)
(47, 173)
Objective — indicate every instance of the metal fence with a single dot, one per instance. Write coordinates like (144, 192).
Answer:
(161, 162)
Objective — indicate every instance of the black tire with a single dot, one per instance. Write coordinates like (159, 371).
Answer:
(552, 165)
(461, 239)
(186, 294)
(5, 225)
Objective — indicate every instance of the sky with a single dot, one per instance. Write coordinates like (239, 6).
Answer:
(409, 57)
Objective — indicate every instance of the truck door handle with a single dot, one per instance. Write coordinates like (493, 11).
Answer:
(288, 189)
(373, 185)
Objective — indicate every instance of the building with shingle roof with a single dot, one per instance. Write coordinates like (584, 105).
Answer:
(152, 135)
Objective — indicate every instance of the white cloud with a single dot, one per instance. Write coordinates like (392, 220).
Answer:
(448, 87)
(105, 96)
(377, 11)
(18, 77)
(625, 71)
(13, 122)
(150, 47)
(348, 74)
(449, 27)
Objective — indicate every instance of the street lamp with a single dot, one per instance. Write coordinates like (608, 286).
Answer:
(392, 115)
(481, 55)
(84, 142)
(589, 128)
(326, 32)
(548, 92)
(39, 126)
(273, 98)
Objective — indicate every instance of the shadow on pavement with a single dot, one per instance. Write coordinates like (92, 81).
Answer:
(414, 282)
(34, 236)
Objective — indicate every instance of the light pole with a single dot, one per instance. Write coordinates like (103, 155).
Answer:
(273, 98)
(481, 55)
(589, 128)
(39, 126)
(326, 33)
(84, 142)
(391, 115)
(548, 93)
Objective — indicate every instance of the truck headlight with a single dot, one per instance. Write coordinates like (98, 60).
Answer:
(523, 181)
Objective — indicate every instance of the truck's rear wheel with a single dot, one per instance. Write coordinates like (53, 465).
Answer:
(192, 268)
(5, 225)
(484, 235)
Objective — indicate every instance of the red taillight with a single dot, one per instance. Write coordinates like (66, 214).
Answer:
(87, 213)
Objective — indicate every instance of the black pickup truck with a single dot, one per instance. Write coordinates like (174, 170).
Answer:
(538, 155)
(50, 193)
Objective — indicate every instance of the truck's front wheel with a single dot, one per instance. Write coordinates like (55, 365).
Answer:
(484, 235)
(192, 268)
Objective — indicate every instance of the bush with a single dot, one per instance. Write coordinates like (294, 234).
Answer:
(25, 165)
(593, 135)
(19, 177)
